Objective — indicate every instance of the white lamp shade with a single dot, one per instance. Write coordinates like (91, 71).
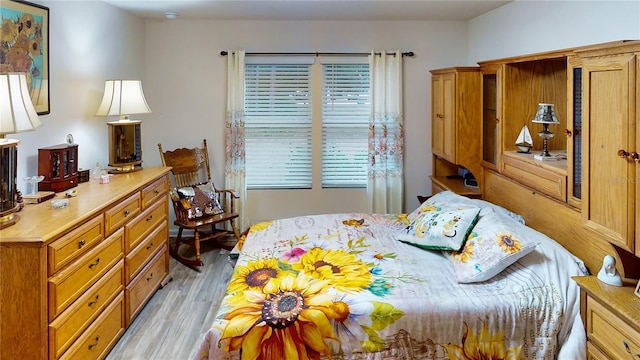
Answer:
(123, 97)
(17, 113)
(546, 114)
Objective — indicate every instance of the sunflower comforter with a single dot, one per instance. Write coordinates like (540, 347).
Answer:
(341, 286)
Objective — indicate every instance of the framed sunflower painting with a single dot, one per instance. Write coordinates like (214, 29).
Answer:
(24, 47)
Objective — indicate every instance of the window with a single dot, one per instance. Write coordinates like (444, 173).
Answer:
(346, 106)
(284, 117)
(278, 126)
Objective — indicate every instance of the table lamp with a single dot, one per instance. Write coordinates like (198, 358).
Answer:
(17, 114)
(124, 98)
(546, 115)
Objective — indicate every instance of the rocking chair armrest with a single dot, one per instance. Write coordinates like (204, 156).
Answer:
(180, 207)
(231, 192)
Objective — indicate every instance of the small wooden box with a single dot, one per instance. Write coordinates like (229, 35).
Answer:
(59, 166)
(83, 175)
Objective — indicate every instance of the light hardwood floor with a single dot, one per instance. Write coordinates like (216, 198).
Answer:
(171, 325)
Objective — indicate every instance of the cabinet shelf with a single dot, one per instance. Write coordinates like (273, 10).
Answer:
(456, 185)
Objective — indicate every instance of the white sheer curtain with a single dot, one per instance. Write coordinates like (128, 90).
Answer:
(235, 164)
(385, 186)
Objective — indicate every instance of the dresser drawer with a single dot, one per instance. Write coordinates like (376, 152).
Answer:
(154, 192)
(77, 242)
(67, 285)
(609, 333)
(594, 354)
(118, 215)
(150, 219)
(67, 327)
(139, 256)
(101, 336)
(145, 284)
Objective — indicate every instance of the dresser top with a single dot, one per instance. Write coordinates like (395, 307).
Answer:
(39, 224)
(619, 299)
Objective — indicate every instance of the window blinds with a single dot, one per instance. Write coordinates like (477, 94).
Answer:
(346, 105)
(278, 125)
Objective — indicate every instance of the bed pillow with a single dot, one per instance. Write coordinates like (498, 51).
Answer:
(451, 200)
(440, 230)
(493, 245)
(445, 200)
(200, 200)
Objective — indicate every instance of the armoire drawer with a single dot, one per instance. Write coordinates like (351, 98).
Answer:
(118, 215)
(141, 254)
(544, 180)
(67, 285)
(145, 284)
(150, 219)
(100, 337)
(72, 245)
(67, 327)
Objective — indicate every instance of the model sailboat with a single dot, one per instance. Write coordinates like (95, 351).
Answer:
(524, 142)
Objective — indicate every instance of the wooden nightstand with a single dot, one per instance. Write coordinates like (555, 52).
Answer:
(611, 317)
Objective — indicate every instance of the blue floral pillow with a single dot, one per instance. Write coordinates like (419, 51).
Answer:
(493, 245)
(440, 230)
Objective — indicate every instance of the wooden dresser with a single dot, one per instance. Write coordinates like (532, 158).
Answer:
(73, 279)
(611, 316)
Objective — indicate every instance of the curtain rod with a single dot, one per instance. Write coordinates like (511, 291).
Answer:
(225, 53)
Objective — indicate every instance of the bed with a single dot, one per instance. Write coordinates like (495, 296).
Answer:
(374, 286)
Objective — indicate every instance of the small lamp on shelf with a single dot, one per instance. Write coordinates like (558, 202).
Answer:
(124, 98)
(546, 115)
(17, 114)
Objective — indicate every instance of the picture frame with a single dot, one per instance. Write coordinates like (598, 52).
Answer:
(24, 47)
(637, 291)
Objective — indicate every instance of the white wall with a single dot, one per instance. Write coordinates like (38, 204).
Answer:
(184, 76)
(89, 42)
(525, 27)
(186, 86)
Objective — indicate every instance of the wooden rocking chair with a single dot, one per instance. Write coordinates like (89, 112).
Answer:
(190, 168)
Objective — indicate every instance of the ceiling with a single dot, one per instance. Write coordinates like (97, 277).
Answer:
(310, 9)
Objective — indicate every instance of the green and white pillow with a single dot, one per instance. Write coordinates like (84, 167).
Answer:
(440, 229)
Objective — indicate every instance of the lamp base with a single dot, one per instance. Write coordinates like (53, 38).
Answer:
(546, 158)
(8, 220)
(124, 170)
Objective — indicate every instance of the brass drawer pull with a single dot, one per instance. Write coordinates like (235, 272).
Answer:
(91, 346)
(150, 218)
(81, 243)
(157, 191)
(626, 347)
(150, 277)
(127, 212)
(150, 246)
(91, 303)
(94, 264)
